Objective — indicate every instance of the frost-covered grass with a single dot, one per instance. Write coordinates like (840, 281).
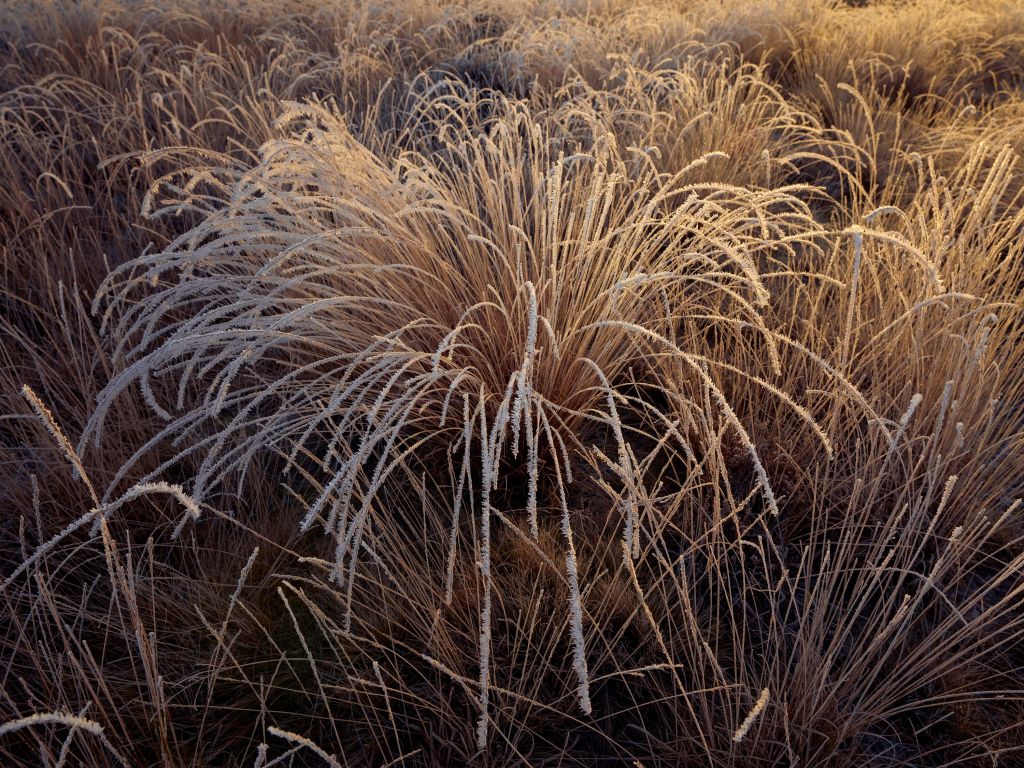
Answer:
(504, 383)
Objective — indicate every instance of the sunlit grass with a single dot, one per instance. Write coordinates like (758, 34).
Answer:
(503, 383)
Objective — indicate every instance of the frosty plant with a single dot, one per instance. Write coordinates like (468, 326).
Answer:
(473, 314)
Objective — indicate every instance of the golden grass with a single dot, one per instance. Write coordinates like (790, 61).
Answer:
(501, 383)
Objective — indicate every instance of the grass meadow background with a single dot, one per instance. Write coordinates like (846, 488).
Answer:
(505, 383)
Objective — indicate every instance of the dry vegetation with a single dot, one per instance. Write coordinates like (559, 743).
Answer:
(511, 383)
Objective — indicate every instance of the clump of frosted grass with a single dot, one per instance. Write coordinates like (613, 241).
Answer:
(503, 273)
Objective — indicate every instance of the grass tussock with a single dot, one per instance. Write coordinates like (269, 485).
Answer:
(511, 383)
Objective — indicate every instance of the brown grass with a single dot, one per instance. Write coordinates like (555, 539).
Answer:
(511, 383)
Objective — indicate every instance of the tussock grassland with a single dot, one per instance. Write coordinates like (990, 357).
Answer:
(511, 383)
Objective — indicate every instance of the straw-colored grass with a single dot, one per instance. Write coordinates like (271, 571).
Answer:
(511, 383)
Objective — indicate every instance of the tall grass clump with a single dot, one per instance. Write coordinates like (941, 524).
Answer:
(491, 302)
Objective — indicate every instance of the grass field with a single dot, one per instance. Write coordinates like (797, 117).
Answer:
(494, 382)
